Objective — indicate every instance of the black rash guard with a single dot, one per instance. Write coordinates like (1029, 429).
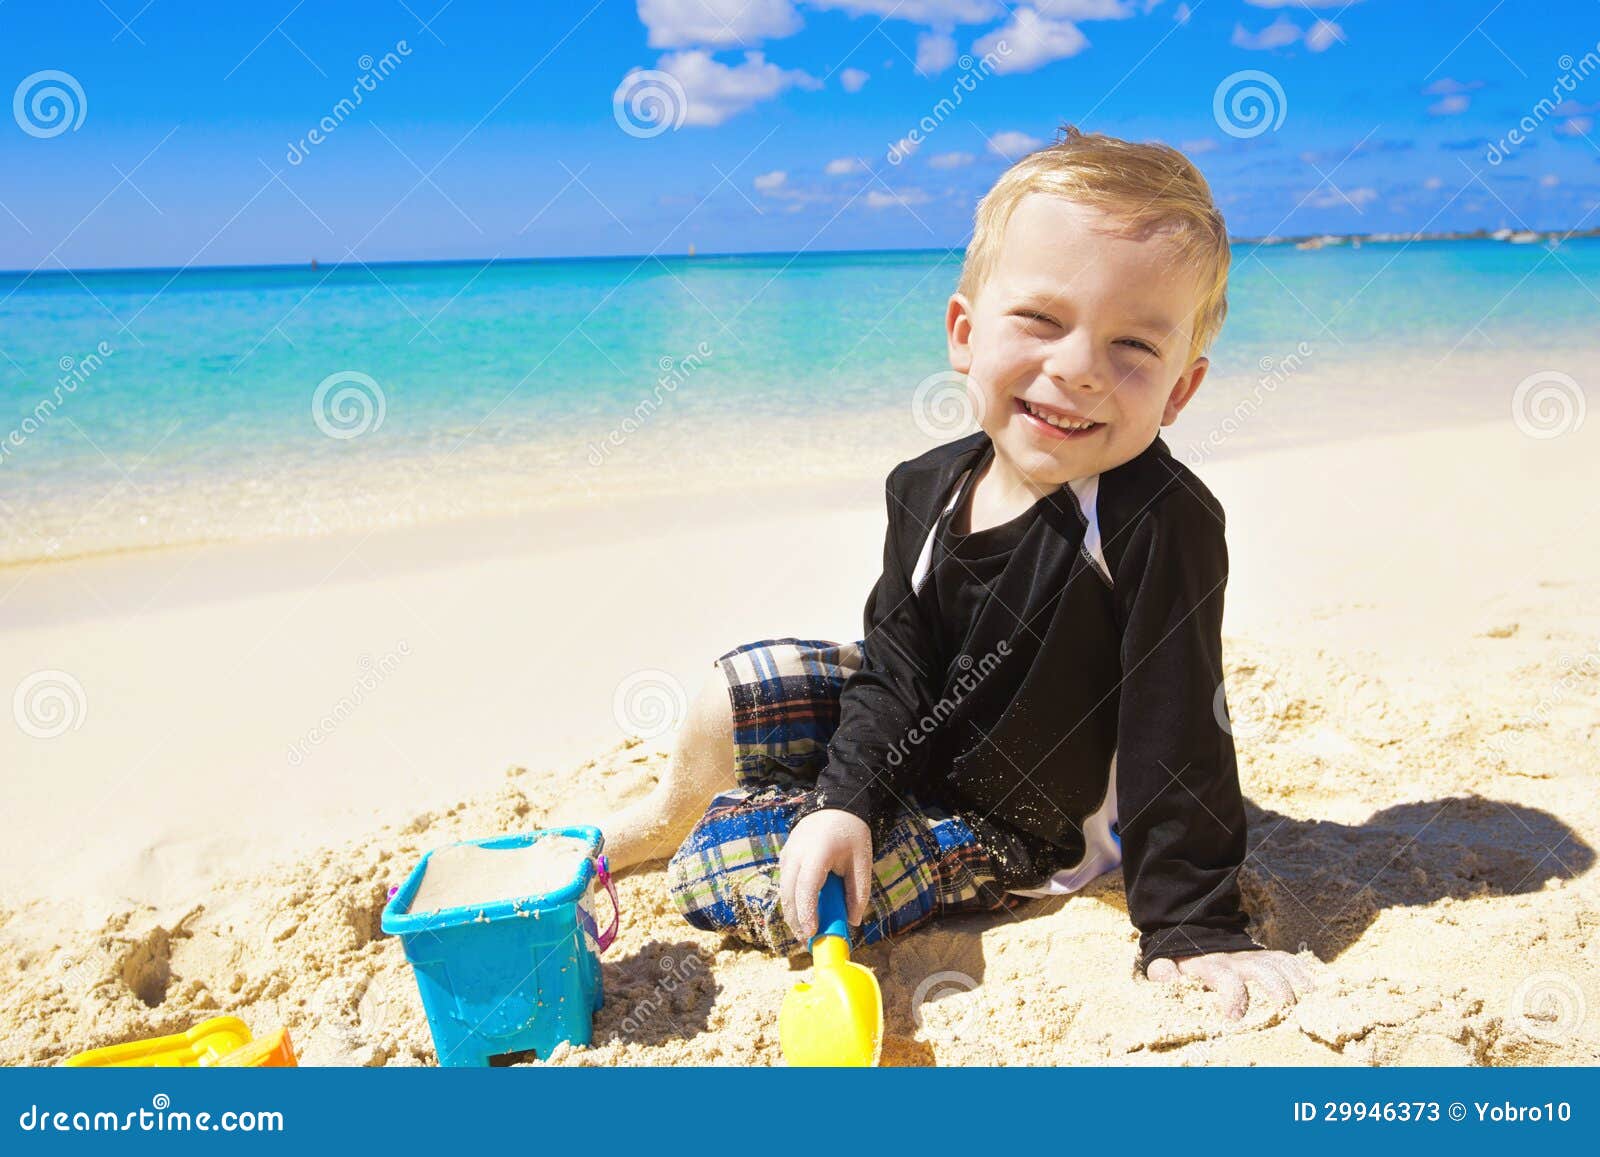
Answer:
(965, 568)
(1077, 703)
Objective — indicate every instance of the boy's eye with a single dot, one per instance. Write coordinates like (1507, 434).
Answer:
(1132, 342)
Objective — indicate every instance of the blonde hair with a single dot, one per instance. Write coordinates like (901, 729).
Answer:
(1146, 185)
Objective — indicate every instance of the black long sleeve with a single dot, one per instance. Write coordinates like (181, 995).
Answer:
(881, 743)
(1180, 809)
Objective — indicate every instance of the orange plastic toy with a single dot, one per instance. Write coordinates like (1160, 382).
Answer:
(221, 1042)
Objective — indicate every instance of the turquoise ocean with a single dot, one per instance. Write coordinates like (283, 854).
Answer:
(156, 407)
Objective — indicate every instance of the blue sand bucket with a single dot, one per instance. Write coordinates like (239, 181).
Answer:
(516, 976)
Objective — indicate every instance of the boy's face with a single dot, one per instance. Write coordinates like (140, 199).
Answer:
(1079, 319)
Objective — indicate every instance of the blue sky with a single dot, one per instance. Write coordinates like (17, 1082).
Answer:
(506, 130)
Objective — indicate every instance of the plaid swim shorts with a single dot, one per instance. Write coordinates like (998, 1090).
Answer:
(928, 861)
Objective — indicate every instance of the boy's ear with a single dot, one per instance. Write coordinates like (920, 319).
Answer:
(1184, 389)
(958, 333)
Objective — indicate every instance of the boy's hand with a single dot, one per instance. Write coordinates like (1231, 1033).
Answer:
(1283, 977)
(825, 841)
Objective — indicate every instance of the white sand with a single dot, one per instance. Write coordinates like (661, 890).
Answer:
(1413, 661)
(441, 657)
(467, 875)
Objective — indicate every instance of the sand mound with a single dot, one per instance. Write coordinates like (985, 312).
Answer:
(1436, 859)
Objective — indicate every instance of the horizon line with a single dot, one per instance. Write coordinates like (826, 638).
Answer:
(313, 263)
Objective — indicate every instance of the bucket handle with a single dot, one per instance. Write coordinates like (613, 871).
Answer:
(603, 874)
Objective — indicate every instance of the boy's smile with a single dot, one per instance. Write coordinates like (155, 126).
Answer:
(1077, 347)
(1056, 421)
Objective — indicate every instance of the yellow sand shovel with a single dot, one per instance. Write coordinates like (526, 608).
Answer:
(837, 1019)
(221, 1042)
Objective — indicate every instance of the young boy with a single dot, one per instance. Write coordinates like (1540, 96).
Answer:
(1038, 695)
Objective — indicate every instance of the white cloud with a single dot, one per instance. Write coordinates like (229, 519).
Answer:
(1012, 144)
(1450, 105)
(1340, 4)
(716, 23)
(936, 51)
(1195, 148)
(951, 160)
(1331, 198)
(877, 199)
(1031, 41)
(1433, 183)
(1449, 84)
(717, 91)
(843, 165)
(1323, 34)
(775, 186)
(1280, 33)
(1549, 181)
(852, 79)
(1084, 9)
(934, 13)
(1575, 126)
(1182, 13)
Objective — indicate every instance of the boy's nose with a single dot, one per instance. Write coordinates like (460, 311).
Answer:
(1072, 362)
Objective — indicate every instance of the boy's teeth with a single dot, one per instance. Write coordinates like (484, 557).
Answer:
(1063, 423)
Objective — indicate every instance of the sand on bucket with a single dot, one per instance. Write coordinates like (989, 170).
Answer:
(467, 875)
